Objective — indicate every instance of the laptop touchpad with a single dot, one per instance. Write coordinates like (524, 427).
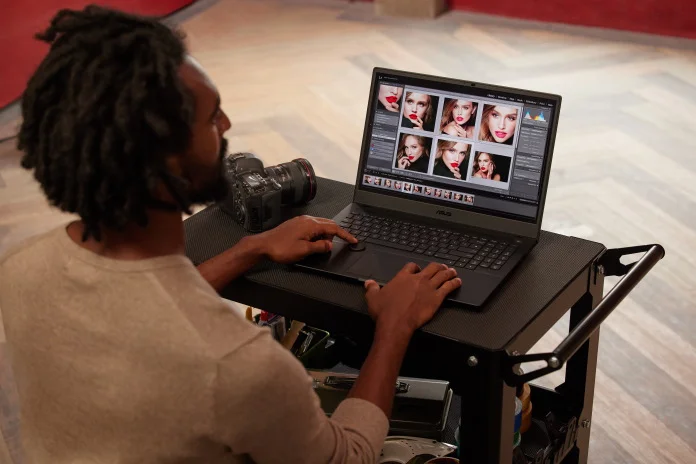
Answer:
(381, 266)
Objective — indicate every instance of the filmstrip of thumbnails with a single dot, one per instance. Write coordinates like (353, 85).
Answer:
(416, 189)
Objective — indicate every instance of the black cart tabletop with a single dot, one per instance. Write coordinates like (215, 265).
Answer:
(533, 285)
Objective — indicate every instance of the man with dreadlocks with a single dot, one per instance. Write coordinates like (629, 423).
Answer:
(123, 351)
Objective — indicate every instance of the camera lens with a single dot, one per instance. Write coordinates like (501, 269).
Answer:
(297, 179)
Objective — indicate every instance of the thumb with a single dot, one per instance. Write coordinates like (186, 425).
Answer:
(371, 288)
(320, 246)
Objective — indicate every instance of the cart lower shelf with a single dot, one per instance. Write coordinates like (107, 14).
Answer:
(549, 440)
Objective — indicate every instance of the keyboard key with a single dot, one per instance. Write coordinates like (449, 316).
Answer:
(389, 244)
(488, 260)
(471, 266)
(413, 244)
(495, 267)
(507, 253)
(443, 250)
(460, 264)
(504, 258)
(485, 265)
(463, 261)
(475, 262)
(452, 247)
(447, 257)
(405, 242)
(420, 251)
(487, 249)
(429, 253)
(474, 246)
(461, 254)
(499, 262)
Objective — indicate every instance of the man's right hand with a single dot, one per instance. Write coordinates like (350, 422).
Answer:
(412, 297)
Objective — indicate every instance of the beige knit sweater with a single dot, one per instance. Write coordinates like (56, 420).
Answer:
(141, 362)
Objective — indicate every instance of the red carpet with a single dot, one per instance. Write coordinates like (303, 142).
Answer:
(663, 17)
(20, 53)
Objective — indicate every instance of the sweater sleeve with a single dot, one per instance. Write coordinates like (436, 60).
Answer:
(266, 409)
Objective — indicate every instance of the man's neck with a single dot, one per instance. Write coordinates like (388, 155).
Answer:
(163, 235)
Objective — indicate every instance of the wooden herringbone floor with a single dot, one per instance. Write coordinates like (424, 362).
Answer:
(294, 77)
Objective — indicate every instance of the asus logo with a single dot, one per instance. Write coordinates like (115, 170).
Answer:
(442, 212)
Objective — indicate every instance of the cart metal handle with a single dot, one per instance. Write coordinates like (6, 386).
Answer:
(609, 264)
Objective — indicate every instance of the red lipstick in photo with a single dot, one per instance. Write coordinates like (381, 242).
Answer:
(411, 158)
(500, 134)
(454, 165)
(391, 99)
(460, 119)
(413, 116)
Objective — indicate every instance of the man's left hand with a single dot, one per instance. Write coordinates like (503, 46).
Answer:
(300, 237)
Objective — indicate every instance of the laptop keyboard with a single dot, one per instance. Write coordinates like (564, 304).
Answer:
(457, 249)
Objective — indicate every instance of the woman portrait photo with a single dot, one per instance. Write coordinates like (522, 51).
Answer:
(438, 193)
(378, 181)
(469, 199)
(407, 187)
(450, 158)
(429, 191)
(458, 196)
(368, 179)
(458, 118)
(419, 111)
(387, 183)
(448, 195)
(491, 167)
(417, 189)
(413, 153)
(390, 96)
(397, 185)
(498, 124)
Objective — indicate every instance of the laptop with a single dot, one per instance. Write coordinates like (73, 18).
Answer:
(450, 171)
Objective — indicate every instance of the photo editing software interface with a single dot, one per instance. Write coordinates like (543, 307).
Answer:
(467, 147)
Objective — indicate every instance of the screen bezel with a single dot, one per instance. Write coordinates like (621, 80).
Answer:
(432, 208)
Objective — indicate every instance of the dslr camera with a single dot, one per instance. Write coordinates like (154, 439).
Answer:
(258, 194)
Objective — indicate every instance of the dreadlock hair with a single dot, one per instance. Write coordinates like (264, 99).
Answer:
(100, 114)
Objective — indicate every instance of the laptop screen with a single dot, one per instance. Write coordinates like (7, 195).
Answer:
(466, 147)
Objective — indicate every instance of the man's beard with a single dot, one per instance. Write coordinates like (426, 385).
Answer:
(217, 188)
